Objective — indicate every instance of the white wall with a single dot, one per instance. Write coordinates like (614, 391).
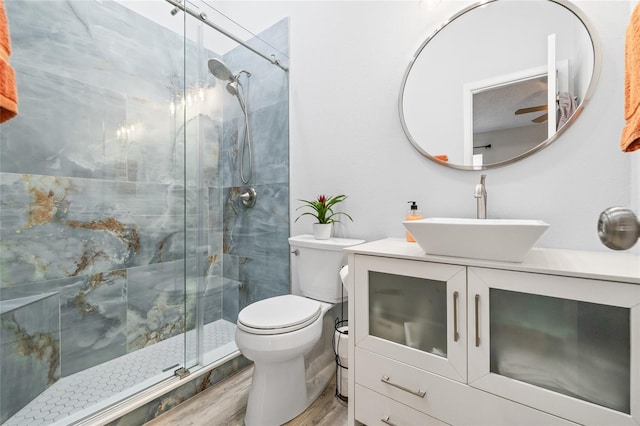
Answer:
(346, 137)
(347, 62)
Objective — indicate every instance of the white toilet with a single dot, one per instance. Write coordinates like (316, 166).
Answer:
(280, 334)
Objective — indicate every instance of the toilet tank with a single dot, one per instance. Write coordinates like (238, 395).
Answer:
(315, 267)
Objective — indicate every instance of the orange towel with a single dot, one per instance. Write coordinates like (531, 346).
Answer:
(8, 90)
(631, 133)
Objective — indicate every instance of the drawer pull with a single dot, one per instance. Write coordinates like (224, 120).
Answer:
(386, 420)
(456, 334)
(387, 380)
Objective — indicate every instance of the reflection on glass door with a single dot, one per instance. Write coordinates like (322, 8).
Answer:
(413, 312)
(564, 345)
(410, 311)
(575, 348)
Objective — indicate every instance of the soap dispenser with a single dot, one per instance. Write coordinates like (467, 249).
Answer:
(413, 214)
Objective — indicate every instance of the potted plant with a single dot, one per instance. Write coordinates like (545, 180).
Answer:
(322, 210)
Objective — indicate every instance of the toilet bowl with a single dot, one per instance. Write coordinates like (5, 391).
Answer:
(278, 333)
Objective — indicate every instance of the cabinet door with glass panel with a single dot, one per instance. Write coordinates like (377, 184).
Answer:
(567, 346)
(413, 312)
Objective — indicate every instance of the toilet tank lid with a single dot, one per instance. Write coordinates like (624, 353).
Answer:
(336, 244)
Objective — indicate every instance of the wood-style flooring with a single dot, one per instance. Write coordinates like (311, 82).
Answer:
(225, 403)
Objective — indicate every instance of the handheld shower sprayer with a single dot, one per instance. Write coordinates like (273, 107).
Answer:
(235, 88)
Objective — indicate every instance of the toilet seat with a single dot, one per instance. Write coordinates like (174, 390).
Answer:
(278, 315)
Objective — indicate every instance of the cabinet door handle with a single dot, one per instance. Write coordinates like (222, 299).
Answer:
(386, 420)
(387, 380)
(456, 334)
(477, 322)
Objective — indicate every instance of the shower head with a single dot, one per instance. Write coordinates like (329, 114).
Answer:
(220, 70)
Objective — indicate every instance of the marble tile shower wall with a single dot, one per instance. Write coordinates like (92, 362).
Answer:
(255, 241)
(94, 208)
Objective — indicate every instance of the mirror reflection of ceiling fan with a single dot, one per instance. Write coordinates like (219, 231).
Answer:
(541, 119)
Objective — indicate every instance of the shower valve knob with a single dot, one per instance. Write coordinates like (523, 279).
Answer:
(248, 196)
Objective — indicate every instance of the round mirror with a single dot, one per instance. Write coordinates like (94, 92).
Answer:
(478, 94)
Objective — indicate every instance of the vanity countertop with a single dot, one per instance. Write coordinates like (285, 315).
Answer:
(601, 265)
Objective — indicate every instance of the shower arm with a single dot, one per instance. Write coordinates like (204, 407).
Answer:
(203, 18)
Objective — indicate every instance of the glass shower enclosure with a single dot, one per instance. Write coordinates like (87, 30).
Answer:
(125, 250)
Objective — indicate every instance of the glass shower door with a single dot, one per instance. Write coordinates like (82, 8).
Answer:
(92, 210)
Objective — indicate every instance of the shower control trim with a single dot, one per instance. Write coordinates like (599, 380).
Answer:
(248, 196)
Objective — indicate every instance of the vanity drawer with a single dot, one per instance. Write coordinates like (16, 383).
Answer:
(374, 409)
(450, 401)
(406, 384)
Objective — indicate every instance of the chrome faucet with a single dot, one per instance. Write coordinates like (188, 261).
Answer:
(481, 197)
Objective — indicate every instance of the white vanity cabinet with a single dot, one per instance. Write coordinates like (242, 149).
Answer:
(438, 340)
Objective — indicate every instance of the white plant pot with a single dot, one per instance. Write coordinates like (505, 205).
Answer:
(322, 231)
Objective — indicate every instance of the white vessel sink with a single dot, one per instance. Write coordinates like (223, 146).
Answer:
(506, 240)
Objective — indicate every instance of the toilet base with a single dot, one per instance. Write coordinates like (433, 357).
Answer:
(278, 393)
